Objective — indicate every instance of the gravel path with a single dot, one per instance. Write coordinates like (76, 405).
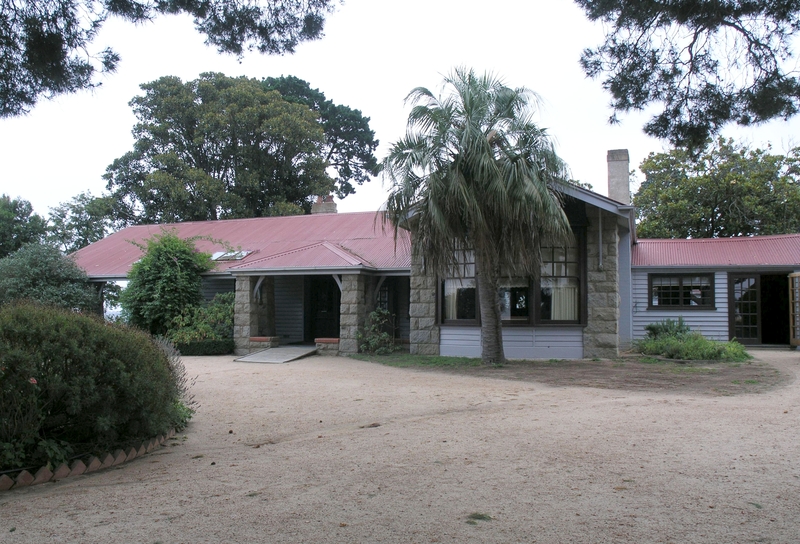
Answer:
(337, 450)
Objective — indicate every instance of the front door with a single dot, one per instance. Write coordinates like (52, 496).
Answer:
(325, 308)
(745, 308)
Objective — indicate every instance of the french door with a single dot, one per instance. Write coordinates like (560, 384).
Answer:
(745, 308)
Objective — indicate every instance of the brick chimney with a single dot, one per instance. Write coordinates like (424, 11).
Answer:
(619, 188)
(324, 204)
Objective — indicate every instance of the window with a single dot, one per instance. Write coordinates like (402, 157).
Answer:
(230, 255)
(514, 300)
(460, 300)
(560, 284)
(558, 297)
(685, 291)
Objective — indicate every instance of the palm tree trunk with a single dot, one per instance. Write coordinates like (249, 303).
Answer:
(491, 323)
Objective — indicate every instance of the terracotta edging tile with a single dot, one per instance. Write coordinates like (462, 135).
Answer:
(78, 467)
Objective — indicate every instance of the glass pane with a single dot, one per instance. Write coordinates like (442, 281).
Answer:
(572, 254)
(559, 299)
(573, 269)
(459, 300)
(514, 302)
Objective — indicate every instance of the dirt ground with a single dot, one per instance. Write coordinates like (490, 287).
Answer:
(638, 373)
(337, 450)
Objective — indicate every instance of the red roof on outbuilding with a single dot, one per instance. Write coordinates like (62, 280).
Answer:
(757, 251)
(299, 243)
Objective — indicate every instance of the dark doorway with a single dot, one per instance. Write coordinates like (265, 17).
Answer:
(759, 308)
(323, 300)
(774, 309)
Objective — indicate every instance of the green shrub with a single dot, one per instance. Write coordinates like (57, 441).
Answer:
(692, 346)
(378, 337)
(212, 321)
(667, 327)
(222, 346)
(42, 273)
(164, 282)
(72, 382)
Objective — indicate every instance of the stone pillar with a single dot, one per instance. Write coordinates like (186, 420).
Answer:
(424, 338)
(253, 318)
(245, 320)
(352, 312)
(601, 335)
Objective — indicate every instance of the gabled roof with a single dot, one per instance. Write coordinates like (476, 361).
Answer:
(757, 251)
(321, 243)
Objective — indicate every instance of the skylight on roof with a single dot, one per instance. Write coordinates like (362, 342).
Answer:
(230, 255)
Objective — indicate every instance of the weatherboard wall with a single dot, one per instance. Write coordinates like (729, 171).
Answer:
(289, 296)
(518, 342)
(713, 324)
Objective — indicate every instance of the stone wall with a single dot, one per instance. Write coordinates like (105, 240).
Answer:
(601, 335)
(242, 317)
(424, 337)
(353, 311)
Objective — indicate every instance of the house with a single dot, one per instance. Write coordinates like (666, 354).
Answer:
(296, 278)
(315, 278)
(724, 288)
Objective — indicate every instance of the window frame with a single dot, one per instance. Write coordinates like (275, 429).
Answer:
(710, 276)
(534, 297)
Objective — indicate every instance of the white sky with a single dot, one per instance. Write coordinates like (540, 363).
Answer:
(372, 55)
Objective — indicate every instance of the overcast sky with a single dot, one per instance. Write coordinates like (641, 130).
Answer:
(373, 53)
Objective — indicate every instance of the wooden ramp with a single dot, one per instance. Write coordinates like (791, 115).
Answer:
(281, 354)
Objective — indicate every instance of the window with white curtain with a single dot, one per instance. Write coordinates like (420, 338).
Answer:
(556, 298)
(459, 292)
(560, 284)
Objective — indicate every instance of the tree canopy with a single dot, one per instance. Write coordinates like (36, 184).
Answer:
(218, 147)
(18, 225)
(728, 190)
(349, 142)
(478, 176)
(80, 221)
(46, 46)
(705, 63)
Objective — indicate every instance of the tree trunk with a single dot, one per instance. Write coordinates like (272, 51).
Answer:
(491, 324)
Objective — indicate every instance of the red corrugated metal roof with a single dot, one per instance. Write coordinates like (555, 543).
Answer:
(778, 250)
(346, 240)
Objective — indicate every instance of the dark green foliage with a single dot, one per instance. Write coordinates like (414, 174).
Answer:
(164, 282)
(210, 322)
(45, 45)
(222, 346)
(705, 63)
(349, 142)
(71, 382)
(43, 274)
(727, 190)
(81, 221)
(668, 327)
(378, 335)
(218, 147)
(18, 225)
(674, 340)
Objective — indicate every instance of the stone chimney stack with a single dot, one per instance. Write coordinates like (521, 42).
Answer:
(324, 204)
(619, 188)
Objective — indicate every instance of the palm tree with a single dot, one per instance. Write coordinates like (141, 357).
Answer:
(475, 174)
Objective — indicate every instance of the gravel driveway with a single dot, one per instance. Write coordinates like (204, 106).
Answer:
(337, 450)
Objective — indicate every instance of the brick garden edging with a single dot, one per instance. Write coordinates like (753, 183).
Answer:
(78, 467)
